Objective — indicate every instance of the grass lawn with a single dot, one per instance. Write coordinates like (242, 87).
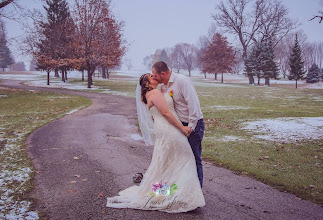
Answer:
(292, 167)
(22, 112)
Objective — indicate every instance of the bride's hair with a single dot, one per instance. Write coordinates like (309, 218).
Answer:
(145, 86)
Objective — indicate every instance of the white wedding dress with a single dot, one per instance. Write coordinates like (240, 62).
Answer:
(172, 162)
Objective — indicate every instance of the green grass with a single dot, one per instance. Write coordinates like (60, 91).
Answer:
(292, 167)
(21, 113)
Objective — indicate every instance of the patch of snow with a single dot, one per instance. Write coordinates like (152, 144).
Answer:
(289, 129)
(220, 107)
(318, 85)
(230, 138)
(3, 96)
(72, 111)
(135, 137)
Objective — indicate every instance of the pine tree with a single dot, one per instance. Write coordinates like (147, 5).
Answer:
(57, 33)
(218, 56)
(313, 74)
(253, 62)
(163, 56)
(296, 63)
(261, 63)
(268, 64)
(6, 58)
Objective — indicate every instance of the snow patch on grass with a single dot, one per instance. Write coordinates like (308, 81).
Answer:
(230, 138)
(221, 107)
(289, 129)
(14, 178)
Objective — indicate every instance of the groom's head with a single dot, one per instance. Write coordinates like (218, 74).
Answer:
(161, 73)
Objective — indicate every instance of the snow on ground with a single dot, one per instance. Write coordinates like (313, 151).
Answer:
(221, 107)
(13, 180)
(289, 129)
(125, 75)
(230, 138)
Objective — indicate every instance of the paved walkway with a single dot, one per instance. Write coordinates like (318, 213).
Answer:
(84, 157)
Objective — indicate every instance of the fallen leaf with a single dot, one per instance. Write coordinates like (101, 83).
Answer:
(84, 180)
(77, 175)
(70, 191)
(100, 195)
(76, 158)
(73, 181)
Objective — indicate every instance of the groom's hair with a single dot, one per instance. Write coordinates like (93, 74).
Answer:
(160, 66)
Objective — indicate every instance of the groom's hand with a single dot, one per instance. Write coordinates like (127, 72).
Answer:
(187, 131)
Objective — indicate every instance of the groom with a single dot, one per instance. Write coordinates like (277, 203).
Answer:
(187, 107)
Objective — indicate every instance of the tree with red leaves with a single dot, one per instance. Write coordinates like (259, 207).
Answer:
(218, 56)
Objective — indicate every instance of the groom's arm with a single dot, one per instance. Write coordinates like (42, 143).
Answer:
(192, 100)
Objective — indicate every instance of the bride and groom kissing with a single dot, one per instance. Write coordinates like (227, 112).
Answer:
(170, 119)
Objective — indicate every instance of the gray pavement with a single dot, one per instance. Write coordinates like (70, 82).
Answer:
(89, 155)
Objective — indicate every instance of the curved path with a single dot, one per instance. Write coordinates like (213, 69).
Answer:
(84, 157)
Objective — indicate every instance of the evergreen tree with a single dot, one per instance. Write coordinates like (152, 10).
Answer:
(296, 63)
(268, 64)
(57, 33)
(6, 58)
(253, 62)
(313, 74)
(163, 56)
(261, 63)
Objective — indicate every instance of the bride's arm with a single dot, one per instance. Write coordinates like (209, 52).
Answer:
(158, 100)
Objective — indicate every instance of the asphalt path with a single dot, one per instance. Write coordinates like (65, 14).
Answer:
(92, 154)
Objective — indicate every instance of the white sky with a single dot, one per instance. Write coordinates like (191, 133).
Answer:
(153, 24)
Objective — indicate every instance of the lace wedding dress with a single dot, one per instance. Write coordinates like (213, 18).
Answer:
(172, 163)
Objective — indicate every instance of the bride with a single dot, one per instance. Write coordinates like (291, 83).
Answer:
(170, 183)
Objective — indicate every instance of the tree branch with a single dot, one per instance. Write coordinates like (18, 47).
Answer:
(5, 3)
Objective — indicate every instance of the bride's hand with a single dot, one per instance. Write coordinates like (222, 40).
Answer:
(186, 131)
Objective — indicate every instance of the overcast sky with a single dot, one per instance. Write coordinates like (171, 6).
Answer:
(153, 24)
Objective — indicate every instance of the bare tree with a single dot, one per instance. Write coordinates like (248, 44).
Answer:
(176, 58)
(188, 54)
(252, 23)
(128, 63)
(148, 61)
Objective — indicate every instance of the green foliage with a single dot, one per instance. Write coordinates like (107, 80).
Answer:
(296, 63)
(313, 75)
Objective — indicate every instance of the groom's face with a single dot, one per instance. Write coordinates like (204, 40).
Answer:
(157, 77)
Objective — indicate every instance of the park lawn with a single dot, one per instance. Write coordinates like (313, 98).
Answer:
(291, 167)
(22, 112)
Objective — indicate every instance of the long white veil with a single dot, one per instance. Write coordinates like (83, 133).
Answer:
(146, 123)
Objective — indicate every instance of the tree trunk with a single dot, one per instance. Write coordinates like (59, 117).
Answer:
(215, 76)
(89, 78)
(267, 81)
(56, 73)
(251, 80)
(258, 81)
(108, 74)
(65, 75)
(48, 71)
(204, 75)
(296, 84)
(104, 76)
(189, 73)
(222, 78)
(82, 75)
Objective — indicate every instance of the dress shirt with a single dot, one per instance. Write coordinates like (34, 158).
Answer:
(186, 101)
